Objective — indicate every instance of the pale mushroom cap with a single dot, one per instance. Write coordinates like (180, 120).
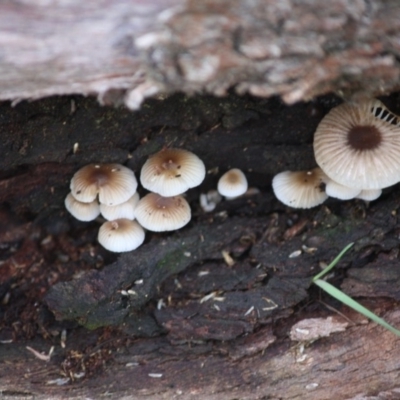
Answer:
(301, 189)
(123, 210)
(157, 213)
(233, 183)
(82, 211)
(369, 194)
(172, 171)
(114, 183)
(359, 145)
(121, 235)
(338, 191)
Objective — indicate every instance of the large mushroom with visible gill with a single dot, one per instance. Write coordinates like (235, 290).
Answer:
(300, 189)
(358, 145)
(171, 172)
(113, 183)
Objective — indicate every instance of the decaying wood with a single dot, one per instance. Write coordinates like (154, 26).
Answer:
(326, 369)
(175, 319)
(133, 49)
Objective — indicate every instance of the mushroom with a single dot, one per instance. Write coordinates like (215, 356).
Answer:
(82, 211)
(123, 210)
(209, 200)
(358, 145)
(172, 171)
(233, 183)
(300, 189)
(121, 235)
(157, 213)
(114, 184)
(338, 191)
(369, 194)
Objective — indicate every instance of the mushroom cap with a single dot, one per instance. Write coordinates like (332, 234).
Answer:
(121, 235)
(157, 213)
(369, 194)
(123, 210)
(300, 189)
(358, 145)
(114, 183)
(172, 171)
(338, 191)
(233, 183)
(82, 211)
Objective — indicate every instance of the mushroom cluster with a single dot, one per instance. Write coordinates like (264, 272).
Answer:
(357, 148)
(110, 190)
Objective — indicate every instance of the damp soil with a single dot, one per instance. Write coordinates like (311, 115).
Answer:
(226, 287)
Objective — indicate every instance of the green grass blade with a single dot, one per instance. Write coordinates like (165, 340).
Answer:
(333, 263)
(348, 301)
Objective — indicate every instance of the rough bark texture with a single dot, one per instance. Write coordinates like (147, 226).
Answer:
(132, 49)
(211, 311)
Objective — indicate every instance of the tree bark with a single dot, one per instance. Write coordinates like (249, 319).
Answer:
(127, 50)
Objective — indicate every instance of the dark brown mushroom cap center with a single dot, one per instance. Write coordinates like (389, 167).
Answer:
(101, 177)
(363, 138)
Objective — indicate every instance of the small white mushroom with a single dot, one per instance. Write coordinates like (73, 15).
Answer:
(338, 191)
(123, 210)
(233, 183)
(300, 189)
(121, 235)
(82, 211)
(369, 194)
(157, 213)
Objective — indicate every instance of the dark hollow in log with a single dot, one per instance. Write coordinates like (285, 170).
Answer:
(205, 312)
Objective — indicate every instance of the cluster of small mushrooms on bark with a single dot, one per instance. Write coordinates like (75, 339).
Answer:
(110, 190)
(357, 148)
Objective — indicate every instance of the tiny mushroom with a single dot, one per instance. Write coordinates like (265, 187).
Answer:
(172, 171)
(157, 213)
(114, 184)
(369, 194)
(300, 189)
(123, 210)
(358, 145)
(121, 235)
(233, 183)
(82, 211)
(338, 191)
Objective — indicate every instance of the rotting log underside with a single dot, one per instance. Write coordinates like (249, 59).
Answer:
(235, 342)
(126, 50)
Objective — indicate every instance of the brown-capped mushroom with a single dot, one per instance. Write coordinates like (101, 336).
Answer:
(171, 172)
(157, 213)
(121, 235)
(113, 183)
(233, 183)
(300, 189)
